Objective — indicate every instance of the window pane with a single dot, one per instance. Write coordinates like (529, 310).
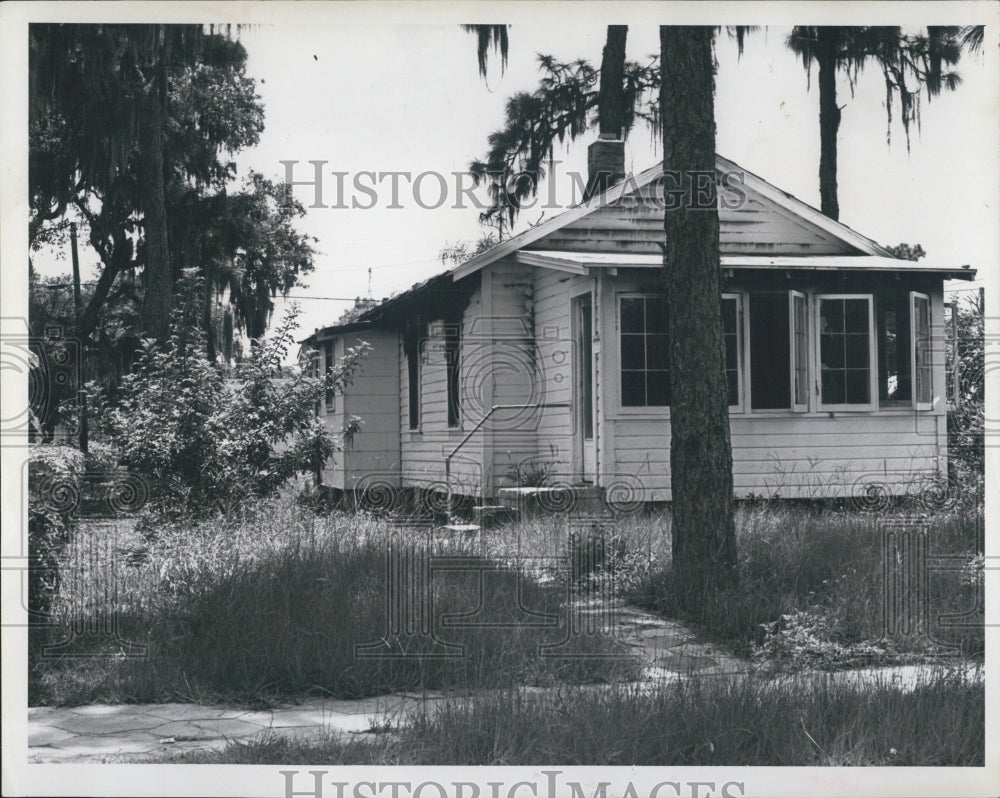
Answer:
(658, 388)
(857, 387)
(831, 351)
(633, 352)
(855, 315)
(633, 388)
(729, 316)
(833, 387)
(657, 317)
(632, 315)
(893, 345)
(857, 351)
(657, 352)
(831, 316)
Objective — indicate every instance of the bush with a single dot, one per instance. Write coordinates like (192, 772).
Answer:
(965, 421)
(205, 440)
(55, 475)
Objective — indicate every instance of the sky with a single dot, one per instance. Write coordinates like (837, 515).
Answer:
(369, 95)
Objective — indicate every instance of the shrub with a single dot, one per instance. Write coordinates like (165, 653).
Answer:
(205, 440)
(55, 475)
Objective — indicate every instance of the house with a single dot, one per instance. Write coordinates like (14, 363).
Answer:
(835, 358)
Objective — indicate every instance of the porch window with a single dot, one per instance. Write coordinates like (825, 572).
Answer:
(920, 305)
(894, 349)
(845, 330)
(732, 330)
(645, 350)
(799, 323)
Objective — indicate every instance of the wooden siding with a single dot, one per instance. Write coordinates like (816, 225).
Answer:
(372, 453)
(423, 451)
(556, 356)
(804, 457)
(508, 362)
(634, 224)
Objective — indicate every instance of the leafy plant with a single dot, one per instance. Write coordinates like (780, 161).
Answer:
(199, 435)
(965, 422)
(55, 476)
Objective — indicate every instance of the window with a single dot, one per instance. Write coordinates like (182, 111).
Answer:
(327, 370)
(645, 352)
(892, 325)
(770, 352)
(452, 353)
(800, 351)
(923, 397)
(411, 347)
(732, 332)
(845, 351)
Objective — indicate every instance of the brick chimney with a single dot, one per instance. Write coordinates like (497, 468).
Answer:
(605, 163)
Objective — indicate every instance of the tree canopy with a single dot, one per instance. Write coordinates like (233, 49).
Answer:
(88, 86)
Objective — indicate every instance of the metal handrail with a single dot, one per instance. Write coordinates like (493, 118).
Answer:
(475, 429)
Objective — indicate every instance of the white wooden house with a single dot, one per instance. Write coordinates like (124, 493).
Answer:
(835, 357)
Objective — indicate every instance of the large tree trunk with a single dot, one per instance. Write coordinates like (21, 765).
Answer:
(829, 119)
(701, 463)
(157, 275)
(611, 100)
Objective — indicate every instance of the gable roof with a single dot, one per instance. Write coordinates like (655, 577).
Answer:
(793, 206)
(855, 250)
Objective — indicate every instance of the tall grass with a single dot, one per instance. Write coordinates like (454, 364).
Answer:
(744, 721)
(276, 604)
(812, 578)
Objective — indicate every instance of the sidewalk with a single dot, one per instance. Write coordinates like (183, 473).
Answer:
(102, 733)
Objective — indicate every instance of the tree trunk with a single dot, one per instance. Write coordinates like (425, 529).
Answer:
(701, 464)
(611, 100)
(157, 274)
(829, 119)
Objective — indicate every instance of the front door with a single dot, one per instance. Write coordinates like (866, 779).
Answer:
(585, 442)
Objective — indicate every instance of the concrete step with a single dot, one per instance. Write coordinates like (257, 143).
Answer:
(570, 499)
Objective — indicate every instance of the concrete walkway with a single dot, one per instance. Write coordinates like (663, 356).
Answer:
(137, 732)
(130, 732)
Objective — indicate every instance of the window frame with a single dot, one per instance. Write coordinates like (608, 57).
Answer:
(872, 403)
(799, 407)
(657, 411)
(741, 362)
(741, 371)
(914, 375)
